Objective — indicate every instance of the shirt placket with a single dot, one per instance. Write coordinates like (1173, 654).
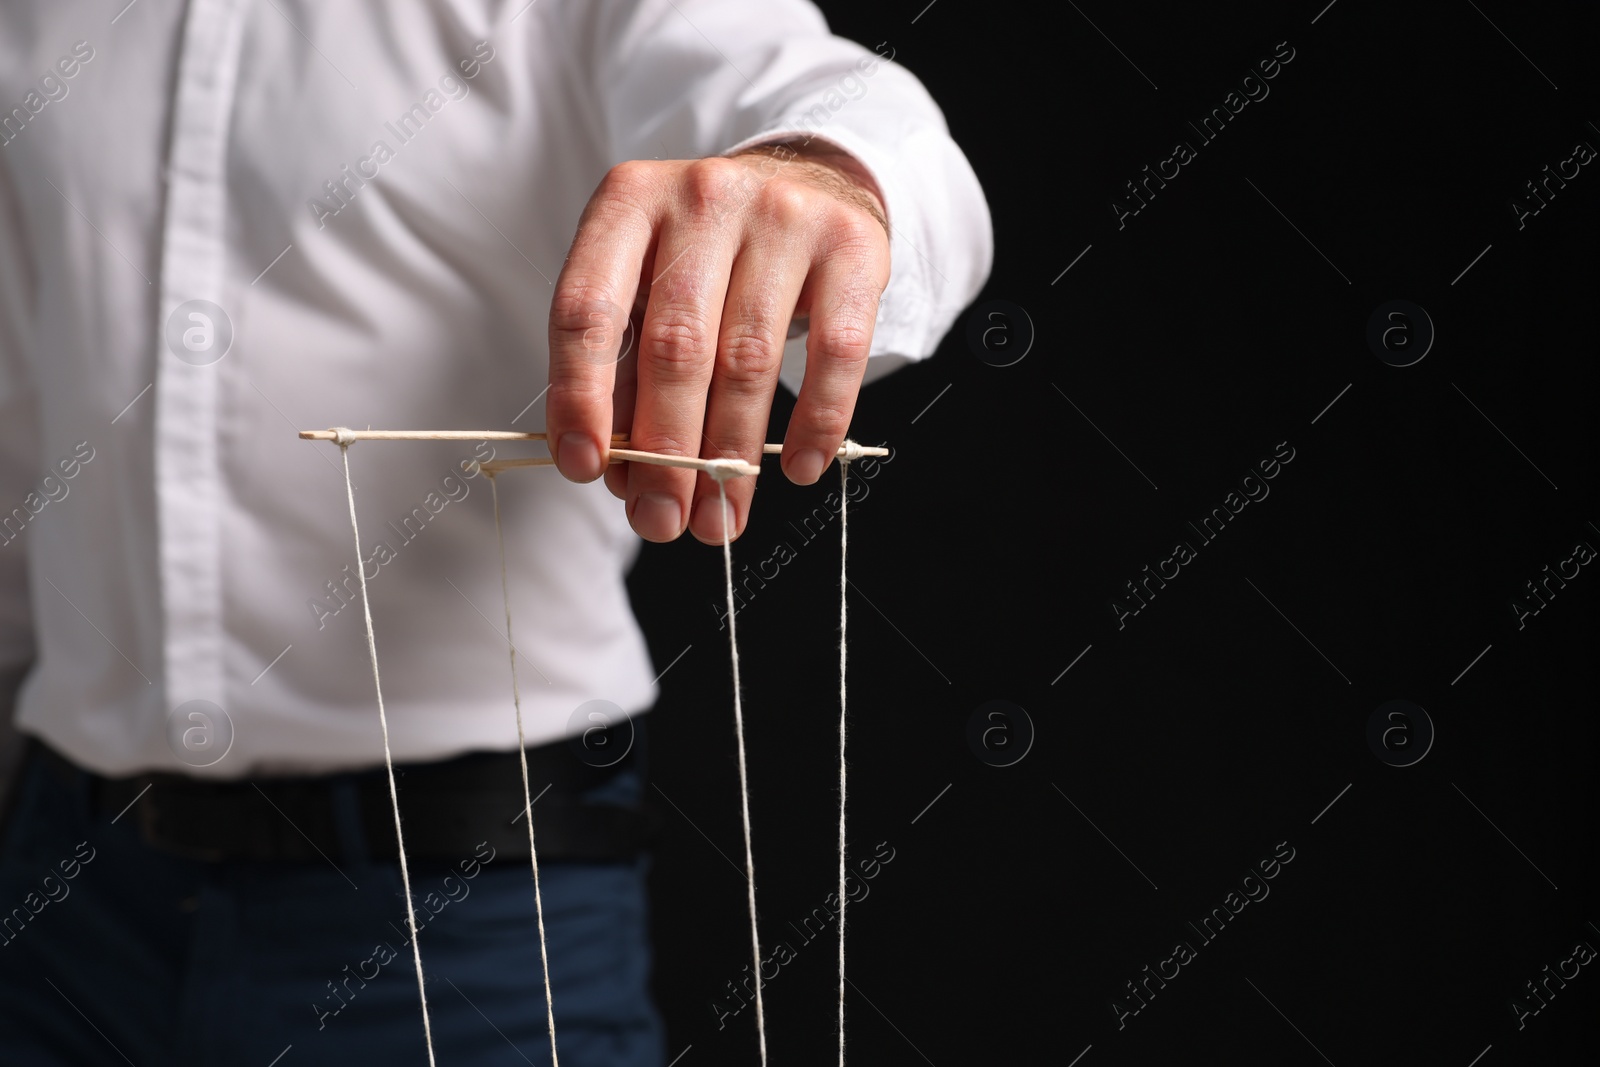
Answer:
(189, 489)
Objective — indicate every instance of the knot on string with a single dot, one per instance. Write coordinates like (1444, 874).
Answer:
(850, 451)
(723, 469)
(343, 436)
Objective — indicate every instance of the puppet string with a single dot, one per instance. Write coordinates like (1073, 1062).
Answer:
(721, 477)
(527, 792)
(844, 543)
(344, 440)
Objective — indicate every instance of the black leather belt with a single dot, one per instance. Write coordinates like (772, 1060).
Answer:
(447, 809)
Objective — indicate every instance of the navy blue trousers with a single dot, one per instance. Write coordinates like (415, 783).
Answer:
(111, 953)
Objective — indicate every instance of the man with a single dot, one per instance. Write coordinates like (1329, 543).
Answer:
(222, 221)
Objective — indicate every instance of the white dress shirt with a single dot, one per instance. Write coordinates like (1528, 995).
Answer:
(222, 221)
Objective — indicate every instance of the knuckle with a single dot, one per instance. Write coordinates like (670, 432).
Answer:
(573, 401)
(846, 341)
(854, 233)
(676, 339)
(749, 354)
(710, 186)
(785, 204)
(667, 441)
(633, 179)
(828, 421)
(580, 306)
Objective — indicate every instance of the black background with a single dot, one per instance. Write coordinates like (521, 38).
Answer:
(1223, 719)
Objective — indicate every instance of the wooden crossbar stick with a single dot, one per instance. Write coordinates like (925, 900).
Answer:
(495, 466)
(618, 440)
(843, 453)
(627, 455)
(624, 455)
(619, 452)
(630, 455)
(434, 435)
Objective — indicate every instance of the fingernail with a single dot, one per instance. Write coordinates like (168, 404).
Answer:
(578, 457)
(707, 523)
(657, 517)
(806, 466)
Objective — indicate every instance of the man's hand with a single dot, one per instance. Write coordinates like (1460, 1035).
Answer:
(721, 254)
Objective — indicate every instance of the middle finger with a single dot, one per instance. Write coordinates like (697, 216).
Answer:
(677, 348)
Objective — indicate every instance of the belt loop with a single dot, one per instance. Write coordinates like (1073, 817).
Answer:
(345, 799)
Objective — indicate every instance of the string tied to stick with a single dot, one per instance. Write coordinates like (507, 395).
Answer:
(721, 470)
(522, 759)
(850, 451)
(344, 436)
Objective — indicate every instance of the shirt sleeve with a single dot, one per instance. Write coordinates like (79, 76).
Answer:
(18, 448)
(707, 77)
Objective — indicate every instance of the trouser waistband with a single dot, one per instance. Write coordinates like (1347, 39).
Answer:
(446, 809)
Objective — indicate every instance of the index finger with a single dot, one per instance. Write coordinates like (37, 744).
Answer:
(589, 318)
